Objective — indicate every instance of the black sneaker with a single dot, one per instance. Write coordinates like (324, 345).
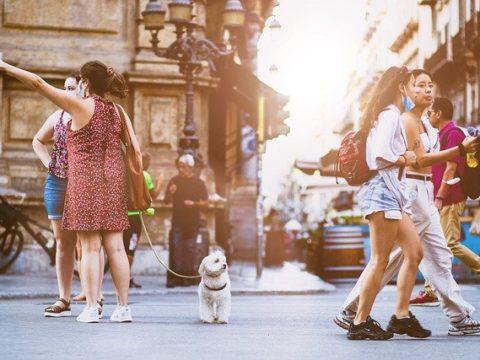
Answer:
(133, 284)
(369, 329)
(409, 326)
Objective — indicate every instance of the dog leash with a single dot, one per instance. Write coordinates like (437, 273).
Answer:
(158, 257)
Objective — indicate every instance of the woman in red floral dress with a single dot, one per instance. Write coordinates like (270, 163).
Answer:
(96, 200)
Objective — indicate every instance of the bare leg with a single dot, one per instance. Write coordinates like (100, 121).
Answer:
(117, 258)
(409, 242)
(101, 273)
(78, 249)
(64, 259)
(382, 234)
(91, 243)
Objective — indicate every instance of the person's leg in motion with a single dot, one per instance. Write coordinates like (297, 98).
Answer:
(382, 234)
(349, 308)
(451, 226)
(437, 268)
(403, 321)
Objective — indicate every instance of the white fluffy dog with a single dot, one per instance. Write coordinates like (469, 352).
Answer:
(214, 289)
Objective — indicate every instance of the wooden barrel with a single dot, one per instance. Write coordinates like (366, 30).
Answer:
(342, 255)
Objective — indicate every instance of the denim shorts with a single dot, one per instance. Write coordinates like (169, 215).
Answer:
(375, 196)
(54, 196)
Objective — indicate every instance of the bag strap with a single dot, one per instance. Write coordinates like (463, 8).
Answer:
(125, 135)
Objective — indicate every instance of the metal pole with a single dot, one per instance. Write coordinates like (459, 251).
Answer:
(189, 143)
(259, 204)
(189, 126)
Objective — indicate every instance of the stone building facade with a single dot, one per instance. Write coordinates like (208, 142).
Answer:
(441, 36)
(54, 38)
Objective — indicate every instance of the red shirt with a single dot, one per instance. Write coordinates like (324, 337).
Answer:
(453, 138)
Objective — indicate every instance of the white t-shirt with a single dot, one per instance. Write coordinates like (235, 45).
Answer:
(385, 143)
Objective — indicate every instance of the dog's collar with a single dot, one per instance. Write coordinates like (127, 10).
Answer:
(215, 289)
(212, 275)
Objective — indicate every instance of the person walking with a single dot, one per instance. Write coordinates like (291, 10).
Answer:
(437, 262)
(188, 194)
(96, 198)
(131, 236)
(449, 197)
(383, 203)
(56, 162)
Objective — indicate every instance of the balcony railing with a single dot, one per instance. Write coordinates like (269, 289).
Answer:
(438, 58)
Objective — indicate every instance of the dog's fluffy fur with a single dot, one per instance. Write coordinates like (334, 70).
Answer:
(214, 305)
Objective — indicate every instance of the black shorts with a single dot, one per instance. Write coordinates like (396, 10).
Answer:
(131, 236)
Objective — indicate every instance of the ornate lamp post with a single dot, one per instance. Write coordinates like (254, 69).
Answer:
(189, 51)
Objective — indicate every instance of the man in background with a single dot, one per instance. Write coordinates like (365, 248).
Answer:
(188, 194)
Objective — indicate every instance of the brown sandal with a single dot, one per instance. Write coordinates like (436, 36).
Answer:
(58, 310)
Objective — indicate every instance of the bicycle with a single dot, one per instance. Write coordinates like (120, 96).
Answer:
(11, 237)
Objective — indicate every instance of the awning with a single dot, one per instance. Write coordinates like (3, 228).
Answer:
(325, 165)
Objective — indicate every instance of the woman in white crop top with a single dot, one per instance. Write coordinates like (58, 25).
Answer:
(383, 201)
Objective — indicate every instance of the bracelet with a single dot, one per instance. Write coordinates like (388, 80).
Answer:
(404, 159)
(461, 148)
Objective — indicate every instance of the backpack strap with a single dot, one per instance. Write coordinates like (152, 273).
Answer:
(444, 137)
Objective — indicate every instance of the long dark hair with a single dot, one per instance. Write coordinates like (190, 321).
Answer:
(103, 79)
(384, 94)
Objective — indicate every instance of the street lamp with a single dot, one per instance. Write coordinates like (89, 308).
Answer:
(189, 51)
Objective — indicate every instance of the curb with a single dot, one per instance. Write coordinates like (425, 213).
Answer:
(239, 292)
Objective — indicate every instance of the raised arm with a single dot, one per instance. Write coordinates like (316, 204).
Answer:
(61, 98)
(39, 142)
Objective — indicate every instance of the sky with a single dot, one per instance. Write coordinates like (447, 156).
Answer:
(314, 52)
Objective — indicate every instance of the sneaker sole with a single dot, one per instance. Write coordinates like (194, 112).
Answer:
(341, 324)
(427, 304)
(89, 322)
(463, 332)
(124, 321)
(62, 314)
(359, 337)
(398, 332)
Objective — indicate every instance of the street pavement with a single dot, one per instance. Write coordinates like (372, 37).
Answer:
(166, 326)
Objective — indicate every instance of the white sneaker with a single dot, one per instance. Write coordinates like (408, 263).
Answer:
(100, 310)
(121, 314)
(467, 326)
(88, 315)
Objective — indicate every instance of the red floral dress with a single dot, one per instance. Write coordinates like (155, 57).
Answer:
(96, 196)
